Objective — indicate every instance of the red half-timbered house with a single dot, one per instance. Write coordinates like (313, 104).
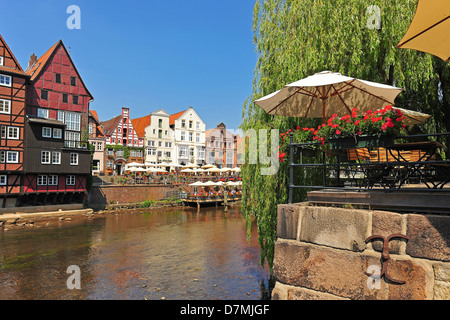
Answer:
(13, 83)
(57, 158)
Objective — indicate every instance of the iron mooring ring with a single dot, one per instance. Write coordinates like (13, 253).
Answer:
(385, 257)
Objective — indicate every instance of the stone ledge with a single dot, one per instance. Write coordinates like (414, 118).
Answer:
(287, 292)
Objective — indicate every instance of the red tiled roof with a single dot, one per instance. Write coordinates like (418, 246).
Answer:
(11, 70)
(37, 67)
(140, 124)
(94, 115)
(175, 116)
(110, 125)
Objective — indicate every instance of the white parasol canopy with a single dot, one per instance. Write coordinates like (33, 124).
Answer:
(197, 184)
(208, 166)
(326, 93)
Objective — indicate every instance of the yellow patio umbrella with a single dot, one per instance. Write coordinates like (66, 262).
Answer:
(430, 29)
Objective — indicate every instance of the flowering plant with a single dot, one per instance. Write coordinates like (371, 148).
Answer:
(385, 121)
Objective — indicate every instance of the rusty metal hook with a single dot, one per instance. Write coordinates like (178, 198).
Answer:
(385, 257)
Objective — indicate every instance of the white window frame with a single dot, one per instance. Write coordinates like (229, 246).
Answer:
(3, 180)
(70, 180)
(16, 135)
(74, 159)
(42, 180)
(57, 133)
(5, 81)
(61, 116)
(16, 153)
(46, 157)
(53, 180)
(42, 113)
(109, 164)
(191, 137)
(56, 157)
(5, 106)
(73, 121)
(1, 60)
(46, 132)
(183, 136)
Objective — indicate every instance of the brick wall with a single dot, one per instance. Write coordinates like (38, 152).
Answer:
(321, 254)
(114, 194)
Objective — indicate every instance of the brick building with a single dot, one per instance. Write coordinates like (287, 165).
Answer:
(13, 83)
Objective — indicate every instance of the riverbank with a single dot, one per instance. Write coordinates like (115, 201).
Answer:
(26, 220)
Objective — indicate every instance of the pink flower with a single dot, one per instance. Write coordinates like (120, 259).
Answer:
(338, 132)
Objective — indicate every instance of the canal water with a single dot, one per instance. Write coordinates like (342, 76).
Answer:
(176, 254)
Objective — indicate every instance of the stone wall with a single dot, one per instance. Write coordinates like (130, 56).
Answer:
(321, 253)
(117, 194)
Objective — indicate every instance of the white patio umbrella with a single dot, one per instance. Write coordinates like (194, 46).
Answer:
(149, 164)
(326, 93)
(231, 183)
(133, 164)
(208, 166)
(191, 165)
(219, 183)
(197, 184)
(214, 169)
(237, 169)
(163, 164)
(209, 183)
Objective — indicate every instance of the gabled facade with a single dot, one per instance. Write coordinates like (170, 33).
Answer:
(123, 143)
(222, 147)
(189, 132)
(13, 83)
(57, 157)
(159, 139)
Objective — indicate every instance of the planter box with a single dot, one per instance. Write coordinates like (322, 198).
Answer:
(361, 142)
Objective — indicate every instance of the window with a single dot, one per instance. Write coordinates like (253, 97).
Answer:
(99, 146)
(159, 134)
(160, 123)
(197, 138)
(151, 143)
(151, 152)
(168, 144)
(73, 81)
(56, 157)
(159, 143)
(183, 123)
(42, 113)
(70, 180)
(5, 106)
(73, 121)
(190, 124)
(2, 156)
(3, 180)
(3, 132)
(166, 132)
(65, 98)
(1, 60)
(42, 180)
(191, 152)
(58, 77)
(45, 157)
(168, 154)
(132, 153)
(110, 152)
(198, 125)
(109, 164)
(183, 138)
(13, 133)
(191, 139)
(90, 129)
(159, 154)
(183, 152)
(74, 159)
(57, 133)
(12, 157)
(5, 80)
(53, 180)
(120, 153)
(75, 99)
(72, 139)
(46, 132)
(61, 116)
(44, 94)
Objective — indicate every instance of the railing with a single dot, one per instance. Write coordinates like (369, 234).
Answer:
(76, 144)
(413, 163)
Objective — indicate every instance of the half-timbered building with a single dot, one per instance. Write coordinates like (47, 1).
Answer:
(13, 83)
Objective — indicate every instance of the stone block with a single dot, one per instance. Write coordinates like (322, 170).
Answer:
(415, 277)
(430, 237)
(287, 221)
(335, 227)
(441, 290)
(385, 224)
(337, 272)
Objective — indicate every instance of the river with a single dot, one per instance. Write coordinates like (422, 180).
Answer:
(172, 254)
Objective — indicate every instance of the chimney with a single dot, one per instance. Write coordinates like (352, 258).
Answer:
(33, 60)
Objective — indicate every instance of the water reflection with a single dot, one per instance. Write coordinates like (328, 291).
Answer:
(176, 254)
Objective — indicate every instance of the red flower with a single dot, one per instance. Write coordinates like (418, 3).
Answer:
(298, 128)
(338, 132)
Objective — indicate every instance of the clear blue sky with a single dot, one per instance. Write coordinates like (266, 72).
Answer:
(147, 55)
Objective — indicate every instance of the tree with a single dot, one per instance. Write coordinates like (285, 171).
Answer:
(297, 38)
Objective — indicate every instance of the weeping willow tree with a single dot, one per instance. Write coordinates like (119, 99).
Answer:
(297, 38)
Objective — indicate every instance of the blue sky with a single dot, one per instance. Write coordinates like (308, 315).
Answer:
(147, 55)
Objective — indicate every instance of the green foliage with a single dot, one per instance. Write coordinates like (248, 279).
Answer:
(297, 38)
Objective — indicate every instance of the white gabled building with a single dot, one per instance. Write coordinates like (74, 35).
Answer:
(189, 137)
(159, 139)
